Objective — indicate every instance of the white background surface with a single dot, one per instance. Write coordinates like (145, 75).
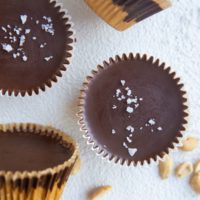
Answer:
(174, 37)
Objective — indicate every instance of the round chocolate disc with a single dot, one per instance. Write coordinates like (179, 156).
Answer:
(35, 45)
(134, 109)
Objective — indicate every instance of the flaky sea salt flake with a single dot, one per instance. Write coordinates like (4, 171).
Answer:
(27, 31)
(123, 82)
(113, 131)
(114, 107)
(152, 122)
(24, 58)
(48, 28)
(132, 151)
(4, 29)
(128, 139)
(159, 128)
(131, 100)
(129, 109)
(125, 145)
(43, 45)
(22, 40)
(48, 58)
(118, 92)
(23, 18)
(129, 92)
(7, 47)
(16, 30)
(130, 128)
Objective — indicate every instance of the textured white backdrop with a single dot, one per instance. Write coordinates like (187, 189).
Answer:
(174, 37)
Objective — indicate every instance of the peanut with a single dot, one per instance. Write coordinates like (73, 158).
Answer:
(195, 182)
(165, 167)
(189, 144)
(184, 169)
(197, 166)
(98, 192)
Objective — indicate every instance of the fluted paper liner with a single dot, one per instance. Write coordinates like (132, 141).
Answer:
(46, 184)
(66, 18)
(103, 152)
(118, 16)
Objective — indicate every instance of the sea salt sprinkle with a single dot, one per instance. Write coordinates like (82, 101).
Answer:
(132, 151)
(125, 145)
(113, 131)
(27, 31)
(7, 47)
(43, 45)
(20, 35)
(118, 92)
(128, 139)
(129, 109)
(4, 29)
(126, 99)
(123, 82)
(22, 40)
(152, 121)
(159, 128)
(130, 128)
(48, 26)
(114, 107)
(23, 18)
(48, 58)
(24, 58)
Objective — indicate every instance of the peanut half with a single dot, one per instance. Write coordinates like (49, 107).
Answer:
(189, 144)
(184, 169)
(195, 182)
(165, 167)
(98, 192)
(197, 166)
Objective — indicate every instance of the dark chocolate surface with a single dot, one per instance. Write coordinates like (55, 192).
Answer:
(138, 9)
(20, 151)
(19, 75)
(161, 100)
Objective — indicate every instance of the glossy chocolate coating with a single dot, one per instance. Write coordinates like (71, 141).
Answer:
(17, 75)
(138, 9)
(162, 100)
(26, 151)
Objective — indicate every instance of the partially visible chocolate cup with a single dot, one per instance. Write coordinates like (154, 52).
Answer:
(133, 110)
(122, 14)
(36, 162)
(36, 43)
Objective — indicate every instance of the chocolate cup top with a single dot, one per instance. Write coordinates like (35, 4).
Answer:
(133, 109)
(29, 148)
(35, 152)
(35, 45)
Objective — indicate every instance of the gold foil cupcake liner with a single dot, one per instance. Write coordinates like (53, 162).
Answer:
(117, 14)
(46, 184)
(103, 153)
(70, 35)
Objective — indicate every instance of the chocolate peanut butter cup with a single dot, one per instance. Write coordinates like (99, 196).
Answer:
(36, 39)
(121, 14)
(36, 162)
(133, 109)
